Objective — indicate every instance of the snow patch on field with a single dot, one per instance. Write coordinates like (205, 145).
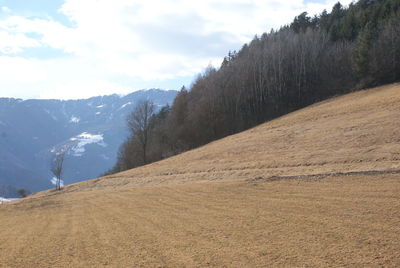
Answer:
(84, 139)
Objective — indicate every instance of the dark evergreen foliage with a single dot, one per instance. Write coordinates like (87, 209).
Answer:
(307, 61)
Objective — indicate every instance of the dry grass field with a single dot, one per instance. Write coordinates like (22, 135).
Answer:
(204, 209)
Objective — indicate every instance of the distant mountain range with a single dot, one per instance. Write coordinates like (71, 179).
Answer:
(92, 130)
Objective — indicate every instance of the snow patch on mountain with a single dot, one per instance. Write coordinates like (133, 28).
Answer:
(84, 139)
(54, 181)
(4, 200)
(105, 157)
(126, 104)
(50, 114)
(74, 119)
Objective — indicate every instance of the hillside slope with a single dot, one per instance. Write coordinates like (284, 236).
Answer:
(355, 132)
(214, 206)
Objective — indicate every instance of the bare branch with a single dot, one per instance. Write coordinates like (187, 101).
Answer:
(56, 167)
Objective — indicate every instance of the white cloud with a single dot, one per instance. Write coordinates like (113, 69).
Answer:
(15, 43)
(5, 9)
(21, 70)
(113, 42)
(12, 41)
(82, 89)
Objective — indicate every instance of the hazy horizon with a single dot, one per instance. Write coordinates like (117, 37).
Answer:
(121, 95)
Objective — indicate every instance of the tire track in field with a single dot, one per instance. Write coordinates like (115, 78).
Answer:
(327, 175)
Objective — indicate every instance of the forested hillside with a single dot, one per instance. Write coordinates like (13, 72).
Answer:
(309, 60)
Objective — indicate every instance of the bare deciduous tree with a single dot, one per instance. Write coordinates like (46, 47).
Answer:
(57, 167)
(139, 124)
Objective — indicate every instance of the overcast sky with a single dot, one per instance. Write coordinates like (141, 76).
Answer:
(72, 49)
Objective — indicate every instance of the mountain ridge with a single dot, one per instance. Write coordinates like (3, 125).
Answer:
(92, 97)
(31, 129)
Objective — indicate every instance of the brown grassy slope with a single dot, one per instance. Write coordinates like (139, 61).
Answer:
(333, 222)
(232, 222)
(359, 131)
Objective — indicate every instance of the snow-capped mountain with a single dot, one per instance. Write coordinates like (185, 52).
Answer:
(91, 130)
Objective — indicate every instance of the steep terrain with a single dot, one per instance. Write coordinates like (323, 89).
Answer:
(92, 129)
(249, 200)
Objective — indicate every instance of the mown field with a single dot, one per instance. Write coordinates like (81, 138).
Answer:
(204, 208)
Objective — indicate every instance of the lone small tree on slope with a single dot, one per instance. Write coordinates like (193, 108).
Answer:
(57, 165)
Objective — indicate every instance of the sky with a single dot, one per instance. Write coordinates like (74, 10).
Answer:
(71, 49)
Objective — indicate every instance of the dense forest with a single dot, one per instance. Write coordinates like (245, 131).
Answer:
(309, 60)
